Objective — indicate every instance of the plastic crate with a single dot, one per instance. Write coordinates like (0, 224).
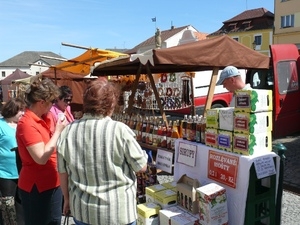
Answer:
(260, 205)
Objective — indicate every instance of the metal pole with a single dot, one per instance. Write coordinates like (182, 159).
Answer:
(76, 46)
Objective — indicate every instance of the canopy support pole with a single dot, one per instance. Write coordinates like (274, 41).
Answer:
(211, 89)
(162, 112)
(134, 88)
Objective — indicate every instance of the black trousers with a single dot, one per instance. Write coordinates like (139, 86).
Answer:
(42, 208)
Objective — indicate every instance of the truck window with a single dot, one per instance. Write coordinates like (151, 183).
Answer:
(287, 76)
(261, 79)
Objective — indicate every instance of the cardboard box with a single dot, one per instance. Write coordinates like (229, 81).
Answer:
(225, 139)
(186, 193)
(166, 214)
(226, 118)
(170, 185)
(250, 123)
(211, 137)
(251, 144)
(148, 214)
(212, 118)
(151, 190)
(212, 204)
(166, 198)
(254, 100)
(184, 219)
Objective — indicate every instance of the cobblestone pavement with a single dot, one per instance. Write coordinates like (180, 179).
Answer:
(291, 181)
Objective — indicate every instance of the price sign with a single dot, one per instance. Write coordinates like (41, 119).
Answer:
(164, 160)
(264, 167)
(223, 168)
(187, 154)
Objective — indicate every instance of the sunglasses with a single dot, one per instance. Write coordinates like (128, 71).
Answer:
(67, 100)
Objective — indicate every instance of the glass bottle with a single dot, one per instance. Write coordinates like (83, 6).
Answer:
(198, 129)
(154, 134)
(164, 135)
(144, 127)
(159, 133)
(169, 134)
(175, 135)
(189, 128)
(184, 125)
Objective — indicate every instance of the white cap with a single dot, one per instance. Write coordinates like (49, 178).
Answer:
(229, 71)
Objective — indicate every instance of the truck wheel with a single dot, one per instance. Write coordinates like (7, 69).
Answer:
(217, 105)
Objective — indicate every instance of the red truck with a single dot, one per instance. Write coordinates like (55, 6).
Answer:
(283, 79)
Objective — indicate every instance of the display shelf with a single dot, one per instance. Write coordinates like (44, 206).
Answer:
(154, 148)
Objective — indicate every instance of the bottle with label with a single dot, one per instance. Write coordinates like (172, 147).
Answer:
(198, 129)
(169, 133)
(164, 135)
(159, 133)
(203, 128)
(138, 129)
(175, 135)
(154, 133)
(144, 127)
(179, 128)
(193, 129)
(189, 128)
(150, 134)
(184, 125)
(147, 130)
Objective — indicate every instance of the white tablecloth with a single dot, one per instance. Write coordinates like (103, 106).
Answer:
(236, 197)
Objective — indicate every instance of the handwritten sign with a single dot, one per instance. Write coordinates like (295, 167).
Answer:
(223, 168)
(264, 166)
(164, 160)
(187, 154)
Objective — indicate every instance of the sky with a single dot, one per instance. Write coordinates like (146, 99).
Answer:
(43, 25)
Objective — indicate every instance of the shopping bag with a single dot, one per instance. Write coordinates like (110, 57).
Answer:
(66, 220)
(7, 206)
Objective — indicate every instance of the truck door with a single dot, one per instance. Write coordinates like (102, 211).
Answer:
(286, 96)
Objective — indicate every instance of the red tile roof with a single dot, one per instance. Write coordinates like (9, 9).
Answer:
(254, 19)
(251, 14)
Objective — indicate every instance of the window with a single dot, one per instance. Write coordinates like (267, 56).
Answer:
(3, 73)
(261, 79)
(287, 76)
(236, 39)
(287, 21)
(257, 40)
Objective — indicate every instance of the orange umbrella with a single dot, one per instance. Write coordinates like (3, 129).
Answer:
(84, 63)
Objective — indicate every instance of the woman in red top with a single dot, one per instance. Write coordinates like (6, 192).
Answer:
(39, 181)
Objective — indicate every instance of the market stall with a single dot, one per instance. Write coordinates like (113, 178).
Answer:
(9, 89)
(211, 54)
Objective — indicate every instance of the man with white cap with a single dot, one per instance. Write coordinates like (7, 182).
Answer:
(231, 79)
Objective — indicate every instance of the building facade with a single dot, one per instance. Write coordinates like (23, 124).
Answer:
(30, 62)
(253, 28)
(287, 22)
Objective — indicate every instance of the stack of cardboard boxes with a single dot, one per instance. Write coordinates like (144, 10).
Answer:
(244, 129)
(188, 204)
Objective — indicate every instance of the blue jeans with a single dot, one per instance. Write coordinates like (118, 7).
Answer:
(81, 223)
(42, 208)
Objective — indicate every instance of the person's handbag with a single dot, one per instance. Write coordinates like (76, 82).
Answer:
(7, 206)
